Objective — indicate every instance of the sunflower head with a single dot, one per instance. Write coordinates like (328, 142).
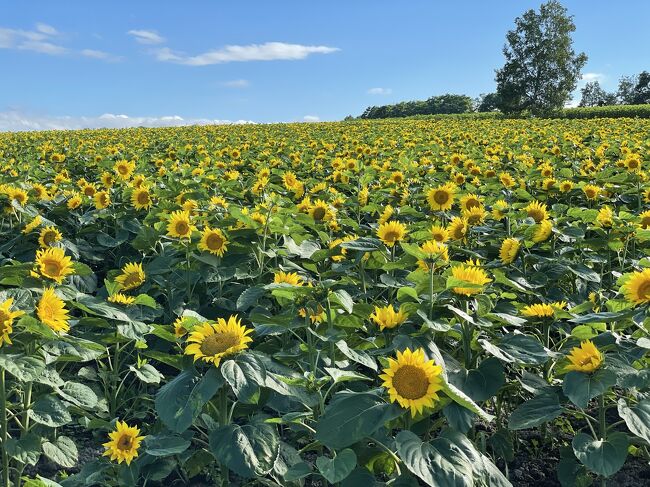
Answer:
(391, 232)
(605, 217)
(51, 311)
(180, 225)
(585, 358)
(591, 191)
(442, 197)
(509, 249)
(540, 310)
(7, 317)
(48, 236)
(537, 211)
(542, 231)
(121, 298)
(124, 443)
(320, 211)
(53, 264)
(439, 234)
(636, 287)
(212, 342)
(141, 199)
(214, 241)
(412, 381)
(472, 274)
(292, 278)
(458, 228)
(132, 276)
(387, 317)
(474, 215)
(436, 253)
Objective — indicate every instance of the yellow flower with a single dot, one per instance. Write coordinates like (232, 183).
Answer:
(211, 342)
(605, 217)
(507, 180)
(591, 191)
(132, 276)
(102, 199)
(51, 311)
(439, 233)
(470, 201)
(585, 358)
(499, 209)
(7, 320)
(412, 380)
(542, 231)
(214, 241)
(542, 310)
(320, 211)
(124, 169)
(435, 251)
(644, 219)
(475, 215)
(342, 252)
(387, 317)
(458, 228)
(54, 264)
(181, 326)
(386, 214)
(48, 236)
(391, 232)
(566, 186)
(124, 444)
(180, 225)
(288, 278)
(472, 274)
(636, 288)
(537, 211)
(141, 199)
(508, 251)
(33, 224)
(120, 298)
(442, 197)
(74, 202)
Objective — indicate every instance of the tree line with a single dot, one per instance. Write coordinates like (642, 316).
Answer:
(541, 71)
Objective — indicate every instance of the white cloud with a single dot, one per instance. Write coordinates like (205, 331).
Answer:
(380, 91)
(18, 121)
(102, 55)
(237, 83)
(46, 29)
(589, 77)
(269, 51)
(39, 40)
(146, 36)
(311, 118)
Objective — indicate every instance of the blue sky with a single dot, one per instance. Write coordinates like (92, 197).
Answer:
(67, 63)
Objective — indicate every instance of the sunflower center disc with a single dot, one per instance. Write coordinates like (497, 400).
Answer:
(52, 268)
(410, 382)
(644, 290)
(319, 213)
(214, 241)
(391, 236)
(182, 228)
(131, 279)
(125, 442)
(440, 197)
(218, 343)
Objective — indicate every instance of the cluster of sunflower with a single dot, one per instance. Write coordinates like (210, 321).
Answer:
(226, 302)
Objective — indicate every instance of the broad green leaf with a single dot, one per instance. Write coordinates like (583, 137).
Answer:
(338, 468)
(540, 409)
(50, 411)
(245, 374)
(604, 457)
(356, 356)
(163, 444)
(147, 374)
(580, 387)
(26, 450)
(483, 382)
(461, 398)
(637, 417)
(63, 451)
(24, 369)
(78, 394)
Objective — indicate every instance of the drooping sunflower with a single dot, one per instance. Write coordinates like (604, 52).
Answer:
(458, 228)
(442, 197)
(542, 231)
(387, 317)
(585, 358)
(386, 214)
(132, 276)
(121, 298)
(472, 274)
(509, 249)
(180, 225)
(499, 209)
(53, 264)
(52, 312)
(636, 288)
(436, 253)
(391, 232)
(124, 444)
(475, 215)
(537, 211)
(292, 278)
(605, 217)
(212, 342)
(48, 236)
(539, 310)
(412, 380)
(31, 226)
(214, 241)
(644, 219)
(7, 317)
(141, 199)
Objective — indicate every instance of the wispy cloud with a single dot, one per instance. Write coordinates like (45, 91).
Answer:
(311, 118)
(379, 91)
(150, 37)
(104, 56)
(269, 51)
(237, 83)
(18, 121)
(46, 29)
(589, 77)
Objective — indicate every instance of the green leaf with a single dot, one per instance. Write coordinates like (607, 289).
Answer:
(26, 449)
(438, 464)
(461, 398)
(24, 369)
(517, 348)
(344, 375)
(249, 297)
(62, 452)
(338, 468)
(50, 411)
(249, 451)
(580, 387)
(604, 317)
(180, 401)
(342, 297)
(352, 416)
(637, 417)
(147, 374)
(483, 382)
(78, 394)
(356, 356)
(540, 409)
(584, 272)
(245, 374)
(163, 445)
(364, 244)
(604, 457)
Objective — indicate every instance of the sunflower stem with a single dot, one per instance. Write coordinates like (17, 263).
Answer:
(224, 419)
(5, 433)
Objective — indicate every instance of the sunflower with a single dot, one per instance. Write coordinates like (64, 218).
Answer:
(320, 211)
(435, 252)
(336, 244)
(391, 232)
(386, 214)
(180, 225)
(566, 186)
(132, 276)
(442, 197)
(508, 251)
(181, 326)
(644, 219)
(439, 234)
(51, 311)
(74, 202)
(542, 231)
(214, 241)
(499, 209)
(7, 318)
(141, 199)
(591, 191)
(537, 211)
(387, 317)
(89, 190)
(211, 342)
(288, 278)
(542, 310)
(397, 177)
(632, 162)
(315, 315)
(124, 444)
(31, 226)
(636, 288)
(412, 380)
(120, 298)
(507, 180)
(585, 358)
(470, 200)
(475, 215)
(48, 236)
(124, 169)
(605, 217)
(472, 274)
(54, 264)
(458, 228)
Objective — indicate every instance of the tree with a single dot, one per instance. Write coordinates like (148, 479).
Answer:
(641, 93)
(488, 102)
(625, 93)
(541, 68)
(594, 96)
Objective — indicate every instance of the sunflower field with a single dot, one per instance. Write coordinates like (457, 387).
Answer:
(414, 302)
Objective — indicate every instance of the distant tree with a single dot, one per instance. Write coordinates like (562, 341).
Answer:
(594, 96)
(449, 103)
(641, 92)
(625, 93)
(488, 102)
(541, 68)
